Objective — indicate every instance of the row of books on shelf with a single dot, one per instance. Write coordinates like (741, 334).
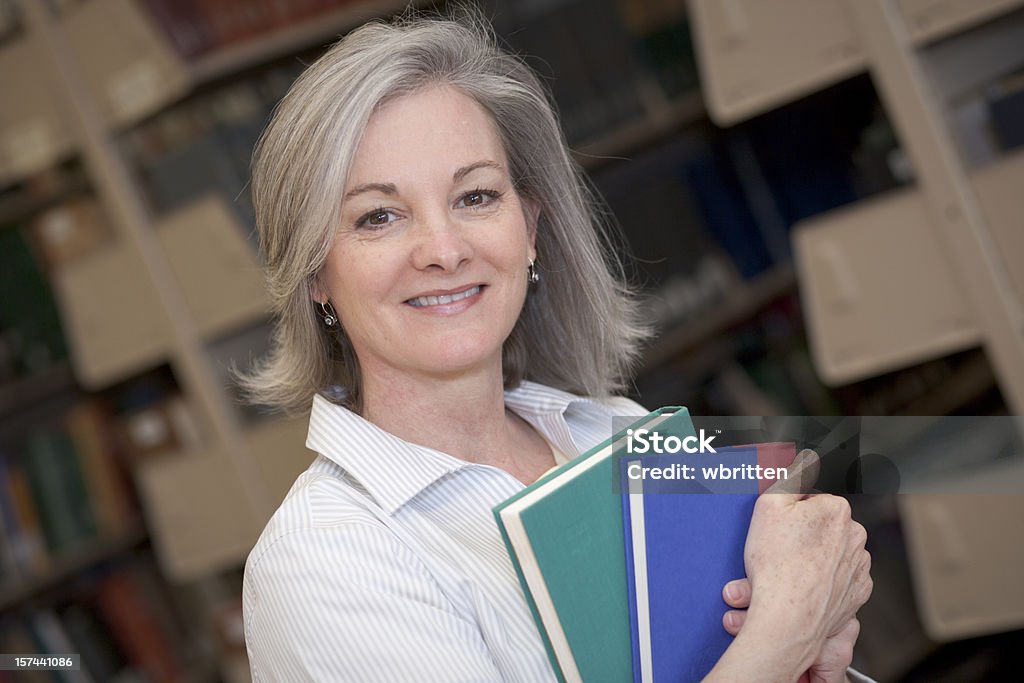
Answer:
(644, 44)
(201, 26)
(639, 596)
(206, 144)
(122, 625)
(60, 489)
(73, 291)
(66, 486)
(645, 57)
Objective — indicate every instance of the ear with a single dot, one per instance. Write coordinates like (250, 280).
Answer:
(317, 291)
(531, 212)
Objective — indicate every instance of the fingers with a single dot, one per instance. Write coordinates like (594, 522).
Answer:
(800, 476)
(737, 593)
(733, 621)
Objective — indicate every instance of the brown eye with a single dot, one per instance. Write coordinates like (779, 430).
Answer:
(477, 198)
(376, 219)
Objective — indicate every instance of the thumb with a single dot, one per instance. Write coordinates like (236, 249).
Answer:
(800, 476)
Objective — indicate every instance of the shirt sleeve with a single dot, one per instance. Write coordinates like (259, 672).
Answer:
(351, 603)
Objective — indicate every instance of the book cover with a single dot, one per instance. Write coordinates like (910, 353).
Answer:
(684, 540)
(564, 535)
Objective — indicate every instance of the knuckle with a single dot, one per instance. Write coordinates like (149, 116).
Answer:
(860, 534)
(869, 586)
(841, 507)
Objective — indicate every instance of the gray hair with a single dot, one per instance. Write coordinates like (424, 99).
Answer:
(579, 329)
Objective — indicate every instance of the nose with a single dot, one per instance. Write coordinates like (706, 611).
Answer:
(440, 245)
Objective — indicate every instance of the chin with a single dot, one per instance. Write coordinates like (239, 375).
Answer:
(453, 356)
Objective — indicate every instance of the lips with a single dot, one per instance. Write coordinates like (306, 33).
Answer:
(441, 299)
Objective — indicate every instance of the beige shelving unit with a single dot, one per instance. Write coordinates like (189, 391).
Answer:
(951, 240)
(914, 274)
(167, 286)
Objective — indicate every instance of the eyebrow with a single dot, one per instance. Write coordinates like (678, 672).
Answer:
(466, 170)
(386, 188)
(390, 189)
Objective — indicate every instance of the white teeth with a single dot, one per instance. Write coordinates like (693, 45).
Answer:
(444, 298)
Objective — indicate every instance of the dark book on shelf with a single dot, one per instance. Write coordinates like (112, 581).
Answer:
(30, 326)
(614, 68)
(59, 490)
(1006, 108)
(94, 642)
(93, 434)
(725, 211)
(679, 264)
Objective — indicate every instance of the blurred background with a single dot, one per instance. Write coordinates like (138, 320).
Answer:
(825, 199)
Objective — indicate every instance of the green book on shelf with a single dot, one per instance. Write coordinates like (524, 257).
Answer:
(564, 535)
(58, 489)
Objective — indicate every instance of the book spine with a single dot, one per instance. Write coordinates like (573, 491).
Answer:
(107, 488)
(529, 597)
(59, 490)
(137, 629)
(50, 632)
(91, 639)
(27, 531)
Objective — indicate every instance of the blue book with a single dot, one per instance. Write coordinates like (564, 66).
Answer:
(684, 542)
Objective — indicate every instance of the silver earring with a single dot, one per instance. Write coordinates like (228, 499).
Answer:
(327, 313)
(532, 276)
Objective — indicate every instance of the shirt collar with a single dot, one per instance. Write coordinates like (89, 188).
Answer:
(394, 471)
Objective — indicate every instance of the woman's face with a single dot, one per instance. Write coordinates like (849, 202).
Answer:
(428, 268)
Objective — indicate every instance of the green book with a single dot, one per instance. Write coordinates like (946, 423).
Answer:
(58, 490)
(564, 535)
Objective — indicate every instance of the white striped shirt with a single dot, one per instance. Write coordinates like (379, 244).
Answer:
(384, 562)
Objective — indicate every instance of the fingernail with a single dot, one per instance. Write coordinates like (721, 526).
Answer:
(732, 591)
(730, 619)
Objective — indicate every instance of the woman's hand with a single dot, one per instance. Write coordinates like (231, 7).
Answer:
(833, 660)
(807, 566)
(807, 575)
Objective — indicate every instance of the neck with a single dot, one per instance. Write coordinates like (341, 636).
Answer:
(464, 416)
(443, 413)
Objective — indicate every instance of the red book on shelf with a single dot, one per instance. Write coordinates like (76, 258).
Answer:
(130, 615)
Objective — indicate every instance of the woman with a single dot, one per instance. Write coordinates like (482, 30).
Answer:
(443, 296)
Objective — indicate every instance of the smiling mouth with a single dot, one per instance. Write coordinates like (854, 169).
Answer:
(444, 298)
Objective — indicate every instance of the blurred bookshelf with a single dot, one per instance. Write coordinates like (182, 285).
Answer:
(121, 161)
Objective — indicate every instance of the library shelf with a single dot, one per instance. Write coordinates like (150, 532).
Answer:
(18, 206)
(739, 306)
(626, 138)
(31, 389)
(316, 30)
(14, 592)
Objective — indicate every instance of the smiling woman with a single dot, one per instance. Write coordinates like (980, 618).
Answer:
(428, 267)
(579, 338)
(435, 261)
